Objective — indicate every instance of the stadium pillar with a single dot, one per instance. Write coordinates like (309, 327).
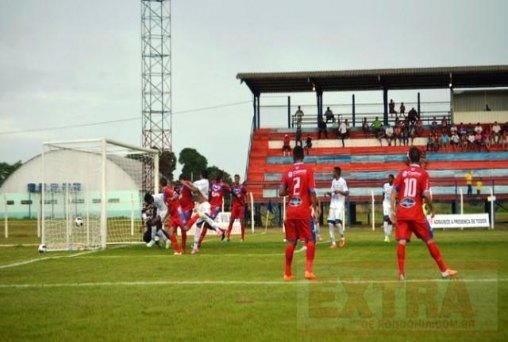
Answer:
(289, 111)
(319, 96)
(419, 113)
(385, 106)
(255, 105)
(353, 110)
(259, 112)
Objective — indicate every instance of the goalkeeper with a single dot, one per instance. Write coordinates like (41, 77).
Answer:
(153, 208)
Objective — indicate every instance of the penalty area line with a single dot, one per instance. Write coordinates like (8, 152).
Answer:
(242, 282)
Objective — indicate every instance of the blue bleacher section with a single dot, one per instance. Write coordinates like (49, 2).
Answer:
(366, 192)
(381, 175)
(467, 156)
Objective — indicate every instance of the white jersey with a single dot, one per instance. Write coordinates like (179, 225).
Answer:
(338, 200)
(387, 193)
(203, 186)
(158, 202)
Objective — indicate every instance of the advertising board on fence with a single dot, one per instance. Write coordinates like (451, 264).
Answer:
(460, 221)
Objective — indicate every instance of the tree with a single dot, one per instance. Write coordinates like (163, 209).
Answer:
(167, 164)
(213, 171)
(7, 169)
(193, 163)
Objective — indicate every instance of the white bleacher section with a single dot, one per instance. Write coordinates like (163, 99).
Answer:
(337, 143)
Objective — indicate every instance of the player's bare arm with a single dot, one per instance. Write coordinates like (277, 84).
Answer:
(393, 206)
(428, 200)
(283, 191)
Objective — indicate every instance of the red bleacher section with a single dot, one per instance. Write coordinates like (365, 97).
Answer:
(257, 167)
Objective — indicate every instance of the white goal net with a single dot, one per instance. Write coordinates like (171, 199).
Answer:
(92, 192)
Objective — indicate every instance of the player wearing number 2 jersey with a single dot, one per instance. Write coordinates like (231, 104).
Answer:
(410, 190)
(298, 185)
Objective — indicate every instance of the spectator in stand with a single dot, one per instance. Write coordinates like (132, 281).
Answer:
(504, 140)
(462, 129)
(412, 116)
(412, 129)
(433, 126)
(380, 135)
(298, 137)
(329, 115)
(286, 147)
(397, 132)
(402, 110)
(464, 142)
(444, 141)
(470, 141)
(308, 144)
(469, 183)
(343, 131)
(376, 126)
(505, 128)
(478, 128)
(391, 108)
(365, 126)
(453, 129)
(444, 124)
(478, 141)
(455, 141)
(299, 117)
(430, 143)
(486, 141)
(322, 128)
(419, 127)
(496, 133)
(404, 134)
(389, 134)
(487, 108)
(479, 185)
(436, 143)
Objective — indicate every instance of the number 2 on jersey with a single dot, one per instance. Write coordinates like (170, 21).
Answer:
(296, 186)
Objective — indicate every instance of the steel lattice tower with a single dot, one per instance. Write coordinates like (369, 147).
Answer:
(156, 74)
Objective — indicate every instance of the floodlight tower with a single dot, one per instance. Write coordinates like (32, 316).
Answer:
(156, 74)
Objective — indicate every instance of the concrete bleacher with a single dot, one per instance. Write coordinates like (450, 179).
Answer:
(366, 165)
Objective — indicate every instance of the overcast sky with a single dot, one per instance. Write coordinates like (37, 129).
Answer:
(64, 63)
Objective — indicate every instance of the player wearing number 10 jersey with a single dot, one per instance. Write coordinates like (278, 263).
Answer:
(410, 190)
(298, 185)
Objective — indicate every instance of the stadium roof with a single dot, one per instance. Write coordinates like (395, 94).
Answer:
(377, 79)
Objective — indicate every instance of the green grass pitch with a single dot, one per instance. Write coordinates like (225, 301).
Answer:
(234, 291)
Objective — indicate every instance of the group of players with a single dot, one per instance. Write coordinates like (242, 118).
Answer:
(180, 207)
(404, 198)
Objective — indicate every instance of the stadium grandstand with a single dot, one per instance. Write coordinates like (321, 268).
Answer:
(478, 94)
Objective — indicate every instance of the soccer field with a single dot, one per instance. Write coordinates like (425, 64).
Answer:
(234, 291)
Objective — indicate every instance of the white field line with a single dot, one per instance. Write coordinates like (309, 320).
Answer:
(242, 282)
(43, 258)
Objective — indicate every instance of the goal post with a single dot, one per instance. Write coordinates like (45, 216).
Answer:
(92, 192)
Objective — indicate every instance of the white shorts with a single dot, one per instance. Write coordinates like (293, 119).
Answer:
(204, 208)
(335, 214)
(386, 208)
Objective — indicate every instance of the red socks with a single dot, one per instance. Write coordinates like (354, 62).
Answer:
(401, 255)
(290, 249)
(434, 251)
(230, 228)
(184, 240)
(174, 242)
(243, 230)
(192, 220)
(311, 251)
